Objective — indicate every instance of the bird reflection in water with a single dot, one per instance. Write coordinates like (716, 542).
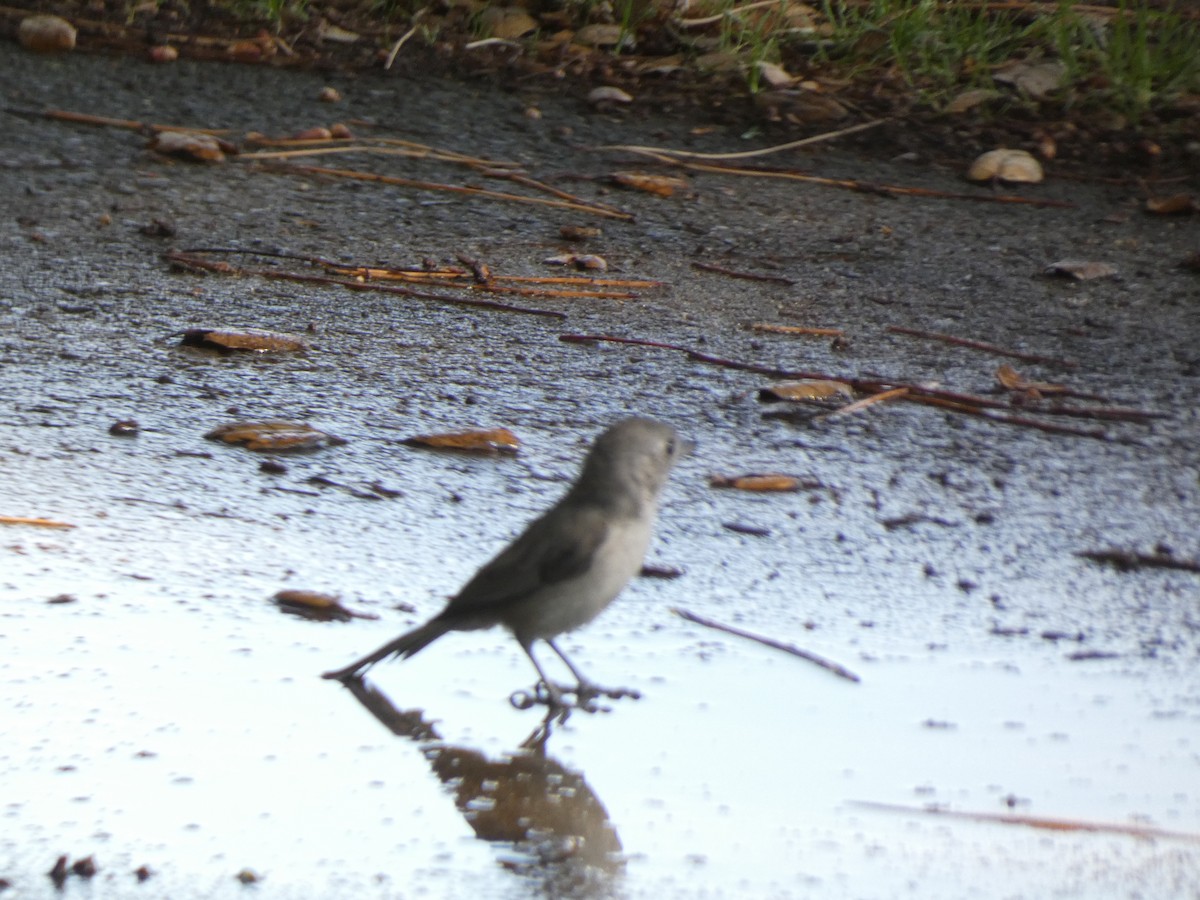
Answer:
(557, 828)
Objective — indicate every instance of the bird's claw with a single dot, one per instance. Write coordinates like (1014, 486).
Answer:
(563, 698)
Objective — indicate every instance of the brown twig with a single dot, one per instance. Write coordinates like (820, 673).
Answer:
(1138, 831)
(772, 328)
(358, 175)
(838, 670)
(980, 345)
(66, 115)
(1129, 560)
(27, 520)
(188, 261)
(748, 276)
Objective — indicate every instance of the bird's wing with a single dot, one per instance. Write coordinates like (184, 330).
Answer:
(552, 549)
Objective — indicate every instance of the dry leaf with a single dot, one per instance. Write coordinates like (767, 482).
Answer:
(1006, 165)
(775, 75)
(806, 390)
(599, 35)
(189, 145)
(329, 32)
(506, 22)
(1175, 205)
(1081, 269)
(1038, 80)
(756, 482)
(662, 185)
(661, 65)
(968, 100)
(607, 95)
(316, 606)
(249, 339)
(46, 34)
(492, 440)
(274, 435)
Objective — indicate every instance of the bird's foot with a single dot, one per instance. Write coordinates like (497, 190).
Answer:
(563, 698)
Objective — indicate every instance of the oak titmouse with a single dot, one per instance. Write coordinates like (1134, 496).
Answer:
(570, 563)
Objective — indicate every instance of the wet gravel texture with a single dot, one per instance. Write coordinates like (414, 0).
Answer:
(169, 716)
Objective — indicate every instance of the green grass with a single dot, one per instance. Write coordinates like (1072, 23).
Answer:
(1138, 59)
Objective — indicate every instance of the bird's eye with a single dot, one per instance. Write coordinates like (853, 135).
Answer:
(670, 447)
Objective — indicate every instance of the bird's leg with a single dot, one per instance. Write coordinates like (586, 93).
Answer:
(545, 691)
(586, 691)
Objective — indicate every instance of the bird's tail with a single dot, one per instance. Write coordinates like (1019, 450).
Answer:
(404, 646)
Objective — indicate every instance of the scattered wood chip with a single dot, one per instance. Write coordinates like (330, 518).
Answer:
(248, 876)
(579, 232)
(1011, 380)
(742, 528)
(586, 262)
(316, 606)
(124, 428)
(46, 34)
(274, 435)
(859, 405)
(190, 145)
(1081, 269)
(756, 482)
(667, 572)
(1175, 205)
(162, 53)
(660, 185)
(250, 339)
(1006, 165)
(492, 440)
(806, 390)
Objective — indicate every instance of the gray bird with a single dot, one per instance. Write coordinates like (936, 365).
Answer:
(570, 563)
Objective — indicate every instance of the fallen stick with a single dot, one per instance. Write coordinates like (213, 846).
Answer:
(669, 157)
(968, 404)
(838, 670)
(1128, 560)
(772, 328)
(66, 115)
(1138, 831)
(358, 175)
(27, 520)
(980, 345)
(748, 276)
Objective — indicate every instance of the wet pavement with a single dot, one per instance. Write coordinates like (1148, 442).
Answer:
(169, 716)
